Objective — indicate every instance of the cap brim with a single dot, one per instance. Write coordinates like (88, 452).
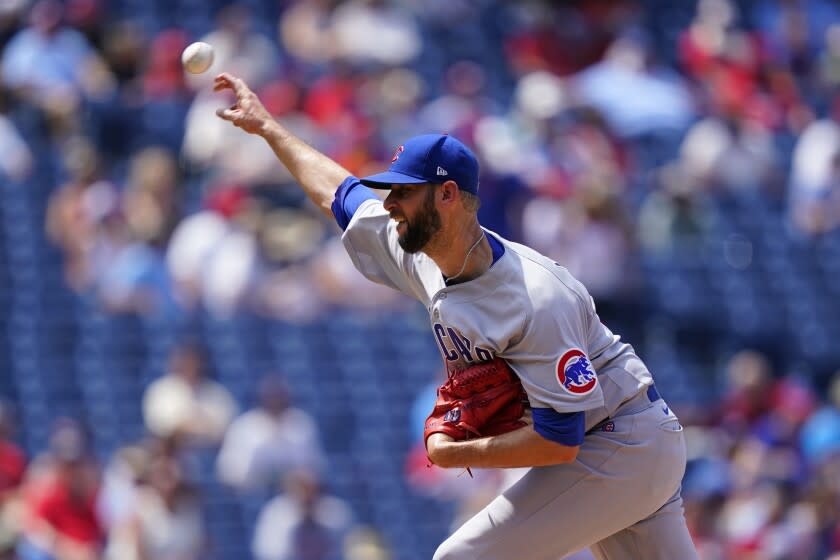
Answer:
(386, 179)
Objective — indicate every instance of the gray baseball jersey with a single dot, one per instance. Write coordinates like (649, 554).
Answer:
(624, 484)
(526, 308)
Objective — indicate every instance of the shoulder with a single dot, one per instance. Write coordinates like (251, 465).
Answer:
(297, 416)
(334, 512)
(166, 383)
(214, 390)
(249, 420)
(539, 273)
(25, 38)
(69, 37)
(281, 506)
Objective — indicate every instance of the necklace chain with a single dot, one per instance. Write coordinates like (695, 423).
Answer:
(467, 257)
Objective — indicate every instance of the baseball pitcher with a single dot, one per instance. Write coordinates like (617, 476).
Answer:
(536, 380)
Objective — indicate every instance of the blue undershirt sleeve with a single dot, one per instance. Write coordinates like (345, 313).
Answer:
(349, 196)
(566, 428)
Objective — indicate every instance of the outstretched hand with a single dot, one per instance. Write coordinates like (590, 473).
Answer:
(248, 112)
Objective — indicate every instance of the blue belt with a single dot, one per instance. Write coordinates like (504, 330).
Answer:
(652, 394)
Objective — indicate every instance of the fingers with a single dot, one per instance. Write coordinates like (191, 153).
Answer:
(247, 111)
(228, 81)
(221, 82)
(229, 114)
(527, 416)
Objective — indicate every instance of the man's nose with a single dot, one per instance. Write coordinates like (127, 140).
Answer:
(389, 203)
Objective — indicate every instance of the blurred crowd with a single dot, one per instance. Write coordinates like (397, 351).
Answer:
(156, 196)
(606, 133)
(764, 467)
(145, 502)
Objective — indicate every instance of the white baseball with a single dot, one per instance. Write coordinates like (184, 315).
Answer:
(197, 57)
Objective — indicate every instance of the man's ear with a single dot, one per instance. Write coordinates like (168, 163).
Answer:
(449, 191)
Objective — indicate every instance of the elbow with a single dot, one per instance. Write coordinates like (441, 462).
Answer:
(568, 454)
(326, 207)
(560, 435)
(556, 453)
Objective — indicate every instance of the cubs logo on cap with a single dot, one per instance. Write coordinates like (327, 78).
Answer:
(397, 153)
(575, 374)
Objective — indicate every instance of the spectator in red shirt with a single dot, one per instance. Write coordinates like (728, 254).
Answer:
(12, 459)
(12, 468)
(60, 518)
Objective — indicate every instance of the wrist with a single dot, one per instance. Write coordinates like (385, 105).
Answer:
(444, 456)
(438, 449)
(269, 128)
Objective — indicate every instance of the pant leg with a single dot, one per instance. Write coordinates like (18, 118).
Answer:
(619, 478)
(662, 536)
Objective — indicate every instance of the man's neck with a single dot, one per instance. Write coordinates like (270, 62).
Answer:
(464, 255)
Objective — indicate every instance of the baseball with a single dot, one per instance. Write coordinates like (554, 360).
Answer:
(197, 57)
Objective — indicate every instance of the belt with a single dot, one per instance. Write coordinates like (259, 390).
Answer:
(633, 404)
(639, 401)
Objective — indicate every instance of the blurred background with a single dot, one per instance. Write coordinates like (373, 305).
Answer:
(190, 367)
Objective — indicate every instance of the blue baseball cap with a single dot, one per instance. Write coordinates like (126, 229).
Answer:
(429, 158)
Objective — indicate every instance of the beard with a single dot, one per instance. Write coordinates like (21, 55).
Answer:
(419, 231)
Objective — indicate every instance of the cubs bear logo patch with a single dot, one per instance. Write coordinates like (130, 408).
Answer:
(575, 374)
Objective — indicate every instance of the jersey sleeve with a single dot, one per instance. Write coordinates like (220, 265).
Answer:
(370, 239)
(349, 196)
(552, 356)
(565, 428)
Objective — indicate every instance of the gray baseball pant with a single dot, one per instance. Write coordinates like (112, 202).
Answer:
(620, 497)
